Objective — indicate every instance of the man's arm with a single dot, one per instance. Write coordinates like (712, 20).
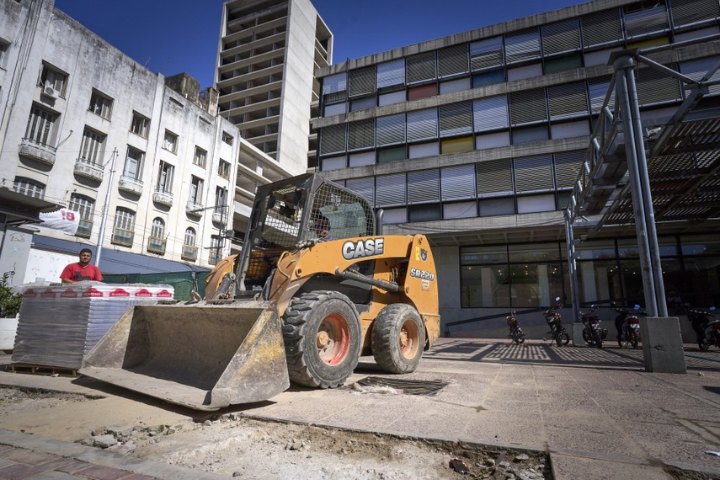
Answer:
(67, 275)
(67, 280)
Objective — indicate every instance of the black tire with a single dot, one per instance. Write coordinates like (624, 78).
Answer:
(565, 337)
(514, 337)
(704, 346)
(588, 338)
(558, 338)
(634, 340)
(597, 338)
(521, 337)
(398, 338)
(321, 331)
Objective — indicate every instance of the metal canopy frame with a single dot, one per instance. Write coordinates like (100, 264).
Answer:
(634, 176)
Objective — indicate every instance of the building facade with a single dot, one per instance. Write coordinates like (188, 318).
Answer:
(267, 55)
(476, 140)
(85, 127)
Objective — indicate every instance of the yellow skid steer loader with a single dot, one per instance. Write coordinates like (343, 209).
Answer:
(315, 287)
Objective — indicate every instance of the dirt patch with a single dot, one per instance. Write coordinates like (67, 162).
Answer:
(235, 445)
(14, 399)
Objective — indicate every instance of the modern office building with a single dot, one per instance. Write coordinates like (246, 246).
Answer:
(476, 140)
(267, 55)
(83, 126)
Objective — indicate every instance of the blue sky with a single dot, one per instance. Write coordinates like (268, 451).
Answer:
(173, 36)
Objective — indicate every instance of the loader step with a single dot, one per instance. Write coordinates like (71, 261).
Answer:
(43, 370)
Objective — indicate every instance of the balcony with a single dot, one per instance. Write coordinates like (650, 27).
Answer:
(123, 237)
(37, 151)
(218, 216)
(189, 252)
(84, 168)
(163, 198)
(84, 228)
(214, 258)
(130, 185)
(193, 208)
(156, 245)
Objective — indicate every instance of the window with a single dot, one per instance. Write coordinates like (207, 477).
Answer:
(165, 177)
(41, 126)
(133, 164)
(100, 105)
(189, 250)
(124, 231)
(3, 57)
(170, 141)
(196, 185)
(91, 150)
(157, 242)
(29, 187)
(216, 245)
(52, 82)
(221, 195)
(84, 206)
(227, 138)
(140, 125)
(224, 169)
(200, 157)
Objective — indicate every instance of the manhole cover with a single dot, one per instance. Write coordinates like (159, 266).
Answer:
(407, 387)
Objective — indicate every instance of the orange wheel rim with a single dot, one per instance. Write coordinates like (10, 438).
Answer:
(409, 339)
(333, 339)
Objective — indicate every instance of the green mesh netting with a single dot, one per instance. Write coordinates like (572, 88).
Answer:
(182, 282)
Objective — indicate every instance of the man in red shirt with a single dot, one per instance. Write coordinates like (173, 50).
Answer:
(83, 270)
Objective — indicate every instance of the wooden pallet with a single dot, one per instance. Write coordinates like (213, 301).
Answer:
(43, 370)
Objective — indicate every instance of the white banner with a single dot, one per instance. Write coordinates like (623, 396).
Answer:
(63, 220)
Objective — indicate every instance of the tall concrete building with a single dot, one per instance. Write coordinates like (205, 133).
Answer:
(267, 55)
(476, 140)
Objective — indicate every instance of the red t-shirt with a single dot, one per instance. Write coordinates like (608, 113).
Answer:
(75, 272)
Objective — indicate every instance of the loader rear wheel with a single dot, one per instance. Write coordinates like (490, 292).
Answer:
(321, 331)
(398, 338)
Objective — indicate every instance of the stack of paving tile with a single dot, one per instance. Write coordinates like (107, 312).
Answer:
(58, 325)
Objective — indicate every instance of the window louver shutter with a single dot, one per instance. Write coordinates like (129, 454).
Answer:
(698, 68)
(533, 174)
(455, 119)
(363, 186)
(527, 106)
(453, 60)
(490, 113)
(391, 73)
(334, 83)
(334, 98)
(560, 37)
(458, 183)
(685, 12)
(654, 87)
(494, 177)
(421, 68)
(522, 46)
(422, 125)
(597, 89)
(567, 167)
(361, 81)
(390, 190)
(423, 186)
(601, 27)
(361, 134)
(391, 129)
(332, 139)
(568, 100)
(486, 53)
(646, 21)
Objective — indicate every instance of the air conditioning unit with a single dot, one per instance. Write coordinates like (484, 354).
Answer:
(50, 91)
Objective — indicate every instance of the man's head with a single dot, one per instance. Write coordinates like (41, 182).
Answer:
(85, 256)
(322, 226)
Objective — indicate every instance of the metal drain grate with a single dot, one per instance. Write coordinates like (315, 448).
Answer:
(408, 387)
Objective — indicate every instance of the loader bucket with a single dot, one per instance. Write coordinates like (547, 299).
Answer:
(202, 356)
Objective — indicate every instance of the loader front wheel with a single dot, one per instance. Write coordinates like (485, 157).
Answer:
(321, 331)
(398, 338)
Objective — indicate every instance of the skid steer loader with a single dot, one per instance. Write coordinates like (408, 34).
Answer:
(315, 287)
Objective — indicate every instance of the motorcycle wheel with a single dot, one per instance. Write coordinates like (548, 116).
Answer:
(514, 337)
(521, 338)
(597, 339)
(588, 339)
(565, 337)
(620, 340)
(558, 339)
(704, 346)
(634, 341)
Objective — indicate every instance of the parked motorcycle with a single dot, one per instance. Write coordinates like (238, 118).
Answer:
(554, 321)
(593, 333)
(706, 326)
(627, 325)
(516, 333)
